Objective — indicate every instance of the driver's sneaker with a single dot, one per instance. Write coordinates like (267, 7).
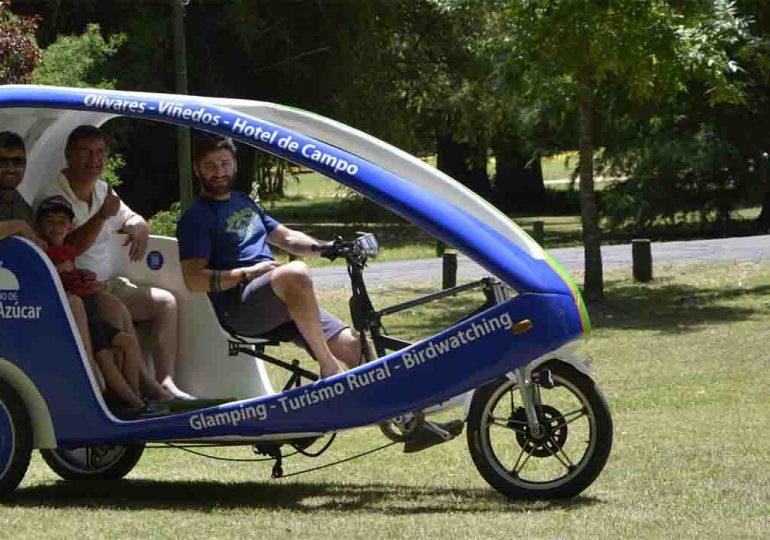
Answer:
(425, 437)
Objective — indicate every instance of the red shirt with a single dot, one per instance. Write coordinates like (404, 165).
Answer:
(73, 279)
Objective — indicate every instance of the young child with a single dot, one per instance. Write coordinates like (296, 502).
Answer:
(124, 374)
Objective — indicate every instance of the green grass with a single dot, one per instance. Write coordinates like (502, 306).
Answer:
(684, 362)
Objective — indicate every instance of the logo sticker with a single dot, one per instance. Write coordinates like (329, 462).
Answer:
(10, 308)
(155, 260)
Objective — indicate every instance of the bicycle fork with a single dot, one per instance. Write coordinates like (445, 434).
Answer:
(530, 397)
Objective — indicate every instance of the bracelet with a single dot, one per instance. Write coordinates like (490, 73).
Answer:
(214, 283)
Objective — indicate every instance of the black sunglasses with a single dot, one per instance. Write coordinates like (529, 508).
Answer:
(14, 162)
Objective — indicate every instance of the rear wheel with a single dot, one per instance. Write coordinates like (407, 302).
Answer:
(15, 439)
(562, 461)
(99, 462)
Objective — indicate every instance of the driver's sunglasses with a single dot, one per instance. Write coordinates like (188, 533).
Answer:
(13, 163)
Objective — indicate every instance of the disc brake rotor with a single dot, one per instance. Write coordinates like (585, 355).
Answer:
(553, 424)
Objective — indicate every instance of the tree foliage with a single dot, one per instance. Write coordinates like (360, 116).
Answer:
(78, 60)
(19, 51)
(575, 51)
(695, 155)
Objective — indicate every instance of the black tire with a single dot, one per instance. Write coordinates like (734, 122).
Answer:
(93, 463)
(550, 453)
(15, 439)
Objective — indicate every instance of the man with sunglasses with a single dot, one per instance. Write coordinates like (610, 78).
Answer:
(16, 216)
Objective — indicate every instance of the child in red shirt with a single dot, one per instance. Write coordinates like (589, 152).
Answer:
(124, 374)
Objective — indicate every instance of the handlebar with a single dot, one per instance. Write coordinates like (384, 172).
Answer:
(354, 251)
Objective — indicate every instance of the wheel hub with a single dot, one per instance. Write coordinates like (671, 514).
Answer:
(551, 440)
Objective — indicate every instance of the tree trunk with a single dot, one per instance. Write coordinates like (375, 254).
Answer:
(464, 162)
(593, 283)
(450, 157)
(518, 180)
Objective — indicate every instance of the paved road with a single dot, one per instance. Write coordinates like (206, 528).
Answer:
(722, 249)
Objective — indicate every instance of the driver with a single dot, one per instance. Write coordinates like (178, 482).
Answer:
(223, 247)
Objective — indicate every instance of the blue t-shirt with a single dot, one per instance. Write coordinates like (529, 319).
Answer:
(228, 234)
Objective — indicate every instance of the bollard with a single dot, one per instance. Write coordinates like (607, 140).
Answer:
(449, 270)
(538, 231)
(641, 254)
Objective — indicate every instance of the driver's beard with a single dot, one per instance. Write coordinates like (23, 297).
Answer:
(218, 191)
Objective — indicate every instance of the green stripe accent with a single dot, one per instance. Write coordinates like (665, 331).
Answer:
(584, 320)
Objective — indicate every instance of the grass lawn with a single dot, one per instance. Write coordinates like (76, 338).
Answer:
(684, 362)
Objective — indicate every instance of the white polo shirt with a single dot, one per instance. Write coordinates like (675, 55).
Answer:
(97, 258)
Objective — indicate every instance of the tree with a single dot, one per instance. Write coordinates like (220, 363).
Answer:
(572, 49)
(19, 51)
(78, 60)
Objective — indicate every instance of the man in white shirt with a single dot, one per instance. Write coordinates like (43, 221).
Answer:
(99, 213)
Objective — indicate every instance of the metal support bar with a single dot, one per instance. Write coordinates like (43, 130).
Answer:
(431, 297)
(390, 343)
(276, 362)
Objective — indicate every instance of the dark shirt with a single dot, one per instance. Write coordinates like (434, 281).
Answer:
(228, 234)
(18, 209)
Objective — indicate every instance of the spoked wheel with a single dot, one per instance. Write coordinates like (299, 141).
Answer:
(560, 462)
(15, 439)
(99, 462)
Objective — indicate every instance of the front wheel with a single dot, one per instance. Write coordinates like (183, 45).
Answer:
(562, 461)
(15, 439)
(100, 462)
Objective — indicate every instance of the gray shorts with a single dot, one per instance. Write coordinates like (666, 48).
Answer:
(255, 310)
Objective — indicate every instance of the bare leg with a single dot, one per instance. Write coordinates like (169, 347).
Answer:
(292, 284)
(116, 381)
(159, 307)
(132, 352)
(114, 312)
(81, 321)
(347, 347)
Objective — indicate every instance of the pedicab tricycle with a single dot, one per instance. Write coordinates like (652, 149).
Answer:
(538, 426)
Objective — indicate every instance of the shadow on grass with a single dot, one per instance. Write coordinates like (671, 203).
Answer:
(672, 308)
(297, 497)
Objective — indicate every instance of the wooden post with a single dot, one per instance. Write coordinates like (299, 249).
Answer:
(538, 231)
(641, 254)
(449, 270)
(180, 85)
